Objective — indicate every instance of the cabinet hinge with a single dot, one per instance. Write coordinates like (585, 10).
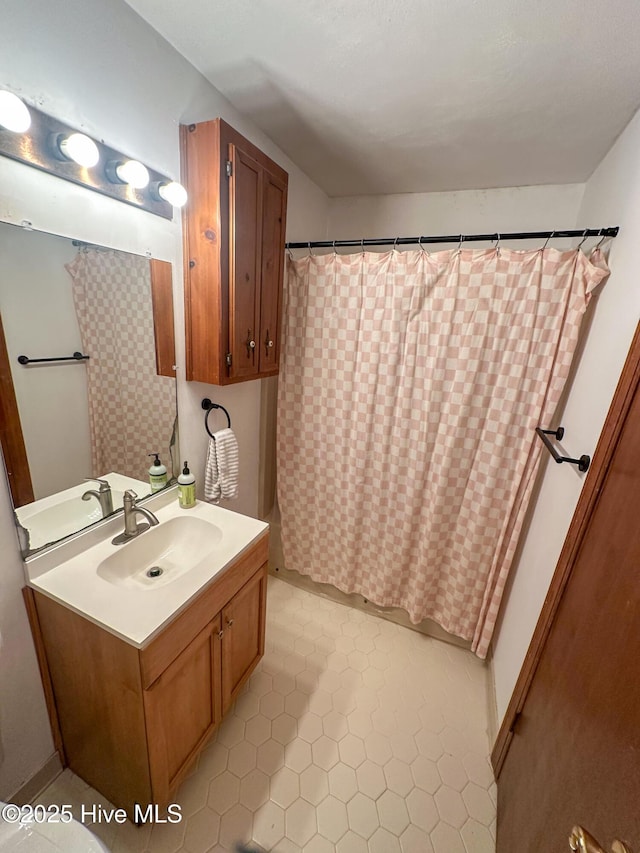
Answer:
(228, 358)
(229, 168)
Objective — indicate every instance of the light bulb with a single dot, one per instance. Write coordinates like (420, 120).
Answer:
(13, 113)
(174, 193)
(79, 148)
(133, 173)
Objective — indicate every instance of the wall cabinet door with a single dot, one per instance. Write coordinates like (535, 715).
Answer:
(274, 207)
(243, 635)
(234, 231)
(182, 708)
(245, 229)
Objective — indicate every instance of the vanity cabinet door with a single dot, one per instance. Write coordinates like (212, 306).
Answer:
(243, 621)
(182, 709)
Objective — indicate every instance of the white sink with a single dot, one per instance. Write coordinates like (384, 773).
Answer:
(162, 554)
(108, 583)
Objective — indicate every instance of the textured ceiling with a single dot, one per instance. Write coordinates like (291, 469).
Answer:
(391, 96)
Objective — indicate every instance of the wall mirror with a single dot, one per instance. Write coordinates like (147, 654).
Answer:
(98, 414)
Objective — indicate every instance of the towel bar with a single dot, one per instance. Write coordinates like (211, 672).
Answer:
(77, 356)
(582, 463)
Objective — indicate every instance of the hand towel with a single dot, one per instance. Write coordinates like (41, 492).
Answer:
(221, 470)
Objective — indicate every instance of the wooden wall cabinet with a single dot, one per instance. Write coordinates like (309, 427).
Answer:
(131, 721)
(234, 236)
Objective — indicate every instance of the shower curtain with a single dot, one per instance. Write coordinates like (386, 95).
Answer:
(410, 387)
(132, 410)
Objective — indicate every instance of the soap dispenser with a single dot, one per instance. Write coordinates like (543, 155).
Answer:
(186, 488)
(157, 474)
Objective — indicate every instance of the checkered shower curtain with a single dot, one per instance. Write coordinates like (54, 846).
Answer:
(132, 410)
(410, 387)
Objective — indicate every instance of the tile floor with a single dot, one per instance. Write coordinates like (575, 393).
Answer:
(354, 734)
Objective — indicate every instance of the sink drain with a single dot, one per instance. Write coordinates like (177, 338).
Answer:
(154, 572)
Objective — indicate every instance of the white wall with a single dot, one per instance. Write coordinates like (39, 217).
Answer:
(611, 197)
(96, 65)
(470, 211)
(39, 319)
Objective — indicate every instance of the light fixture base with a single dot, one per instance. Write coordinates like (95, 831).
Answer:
(34, 147)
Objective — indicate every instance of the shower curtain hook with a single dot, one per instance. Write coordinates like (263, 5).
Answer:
(584, 237)
(550, 237)
(459, 249)
(334, 249)
(497, 243)
(600, 241)
(311, 255)
(289, 253)
(395, 243)
(362, 246)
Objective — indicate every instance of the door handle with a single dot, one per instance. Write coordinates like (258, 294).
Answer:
(581, 841)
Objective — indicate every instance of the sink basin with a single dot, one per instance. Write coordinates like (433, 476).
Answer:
(162, 554)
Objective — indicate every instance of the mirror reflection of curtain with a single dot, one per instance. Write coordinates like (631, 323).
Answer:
(127, 399)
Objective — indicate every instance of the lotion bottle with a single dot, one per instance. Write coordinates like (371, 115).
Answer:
(157, 474)
(186, 488)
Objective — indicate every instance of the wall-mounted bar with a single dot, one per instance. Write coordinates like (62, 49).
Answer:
(457, 238)
(582, 463)
(77, 356)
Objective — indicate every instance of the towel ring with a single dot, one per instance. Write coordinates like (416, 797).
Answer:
(208, 406)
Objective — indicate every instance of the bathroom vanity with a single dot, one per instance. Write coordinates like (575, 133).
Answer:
(140, 675)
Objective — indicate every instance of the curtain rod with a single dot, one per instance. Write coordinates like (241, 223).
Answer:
(456, 238)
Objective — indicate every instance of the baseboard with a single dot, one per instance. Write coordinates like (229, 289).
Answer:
(492, 705)
(38, 782)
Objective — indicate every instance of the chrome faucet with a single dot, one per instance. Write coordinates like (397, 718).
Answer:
(131, 527)
(103, 495)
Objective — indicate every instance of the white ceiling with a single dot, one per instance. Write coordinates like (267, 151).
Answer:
(391, 96)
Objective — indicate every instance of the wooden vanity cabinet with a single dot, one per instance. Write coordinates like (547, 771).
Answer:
(132, 721)
(234, 235)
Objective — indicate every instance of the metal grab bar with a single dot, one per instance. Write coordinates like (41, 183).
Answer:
(582, 463)
(77, 356)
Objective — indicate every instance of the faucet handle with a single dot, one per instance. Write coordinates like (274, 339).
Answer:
(104, 484)
(130, 495)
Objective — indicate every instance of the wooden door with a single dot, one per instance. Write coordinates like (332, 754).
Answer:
(11, 438)
(182, 709)
(245, 236)
(272, 270)
(573, 756)
(243, 635)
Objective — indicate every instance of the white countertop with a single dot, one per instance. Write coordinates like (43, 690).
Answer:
(136, 614)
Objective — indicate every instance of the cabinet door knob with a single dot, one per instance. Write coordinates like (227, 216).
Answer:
(220, 634)
(229, 622)
(268, 343)
(250, 343)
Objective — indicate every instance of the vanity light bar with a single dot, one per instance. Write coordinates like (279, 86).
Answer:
(37, 139)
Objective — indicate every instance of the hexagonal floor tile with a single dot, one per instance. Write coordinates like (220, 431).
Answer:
(362, 815)
(314, 785)
(300, 822)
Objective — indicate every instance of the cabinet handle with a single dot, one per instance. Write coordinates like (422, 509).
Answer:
(250, 343)
(229, 622)
(220, 634)
(268, 343)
